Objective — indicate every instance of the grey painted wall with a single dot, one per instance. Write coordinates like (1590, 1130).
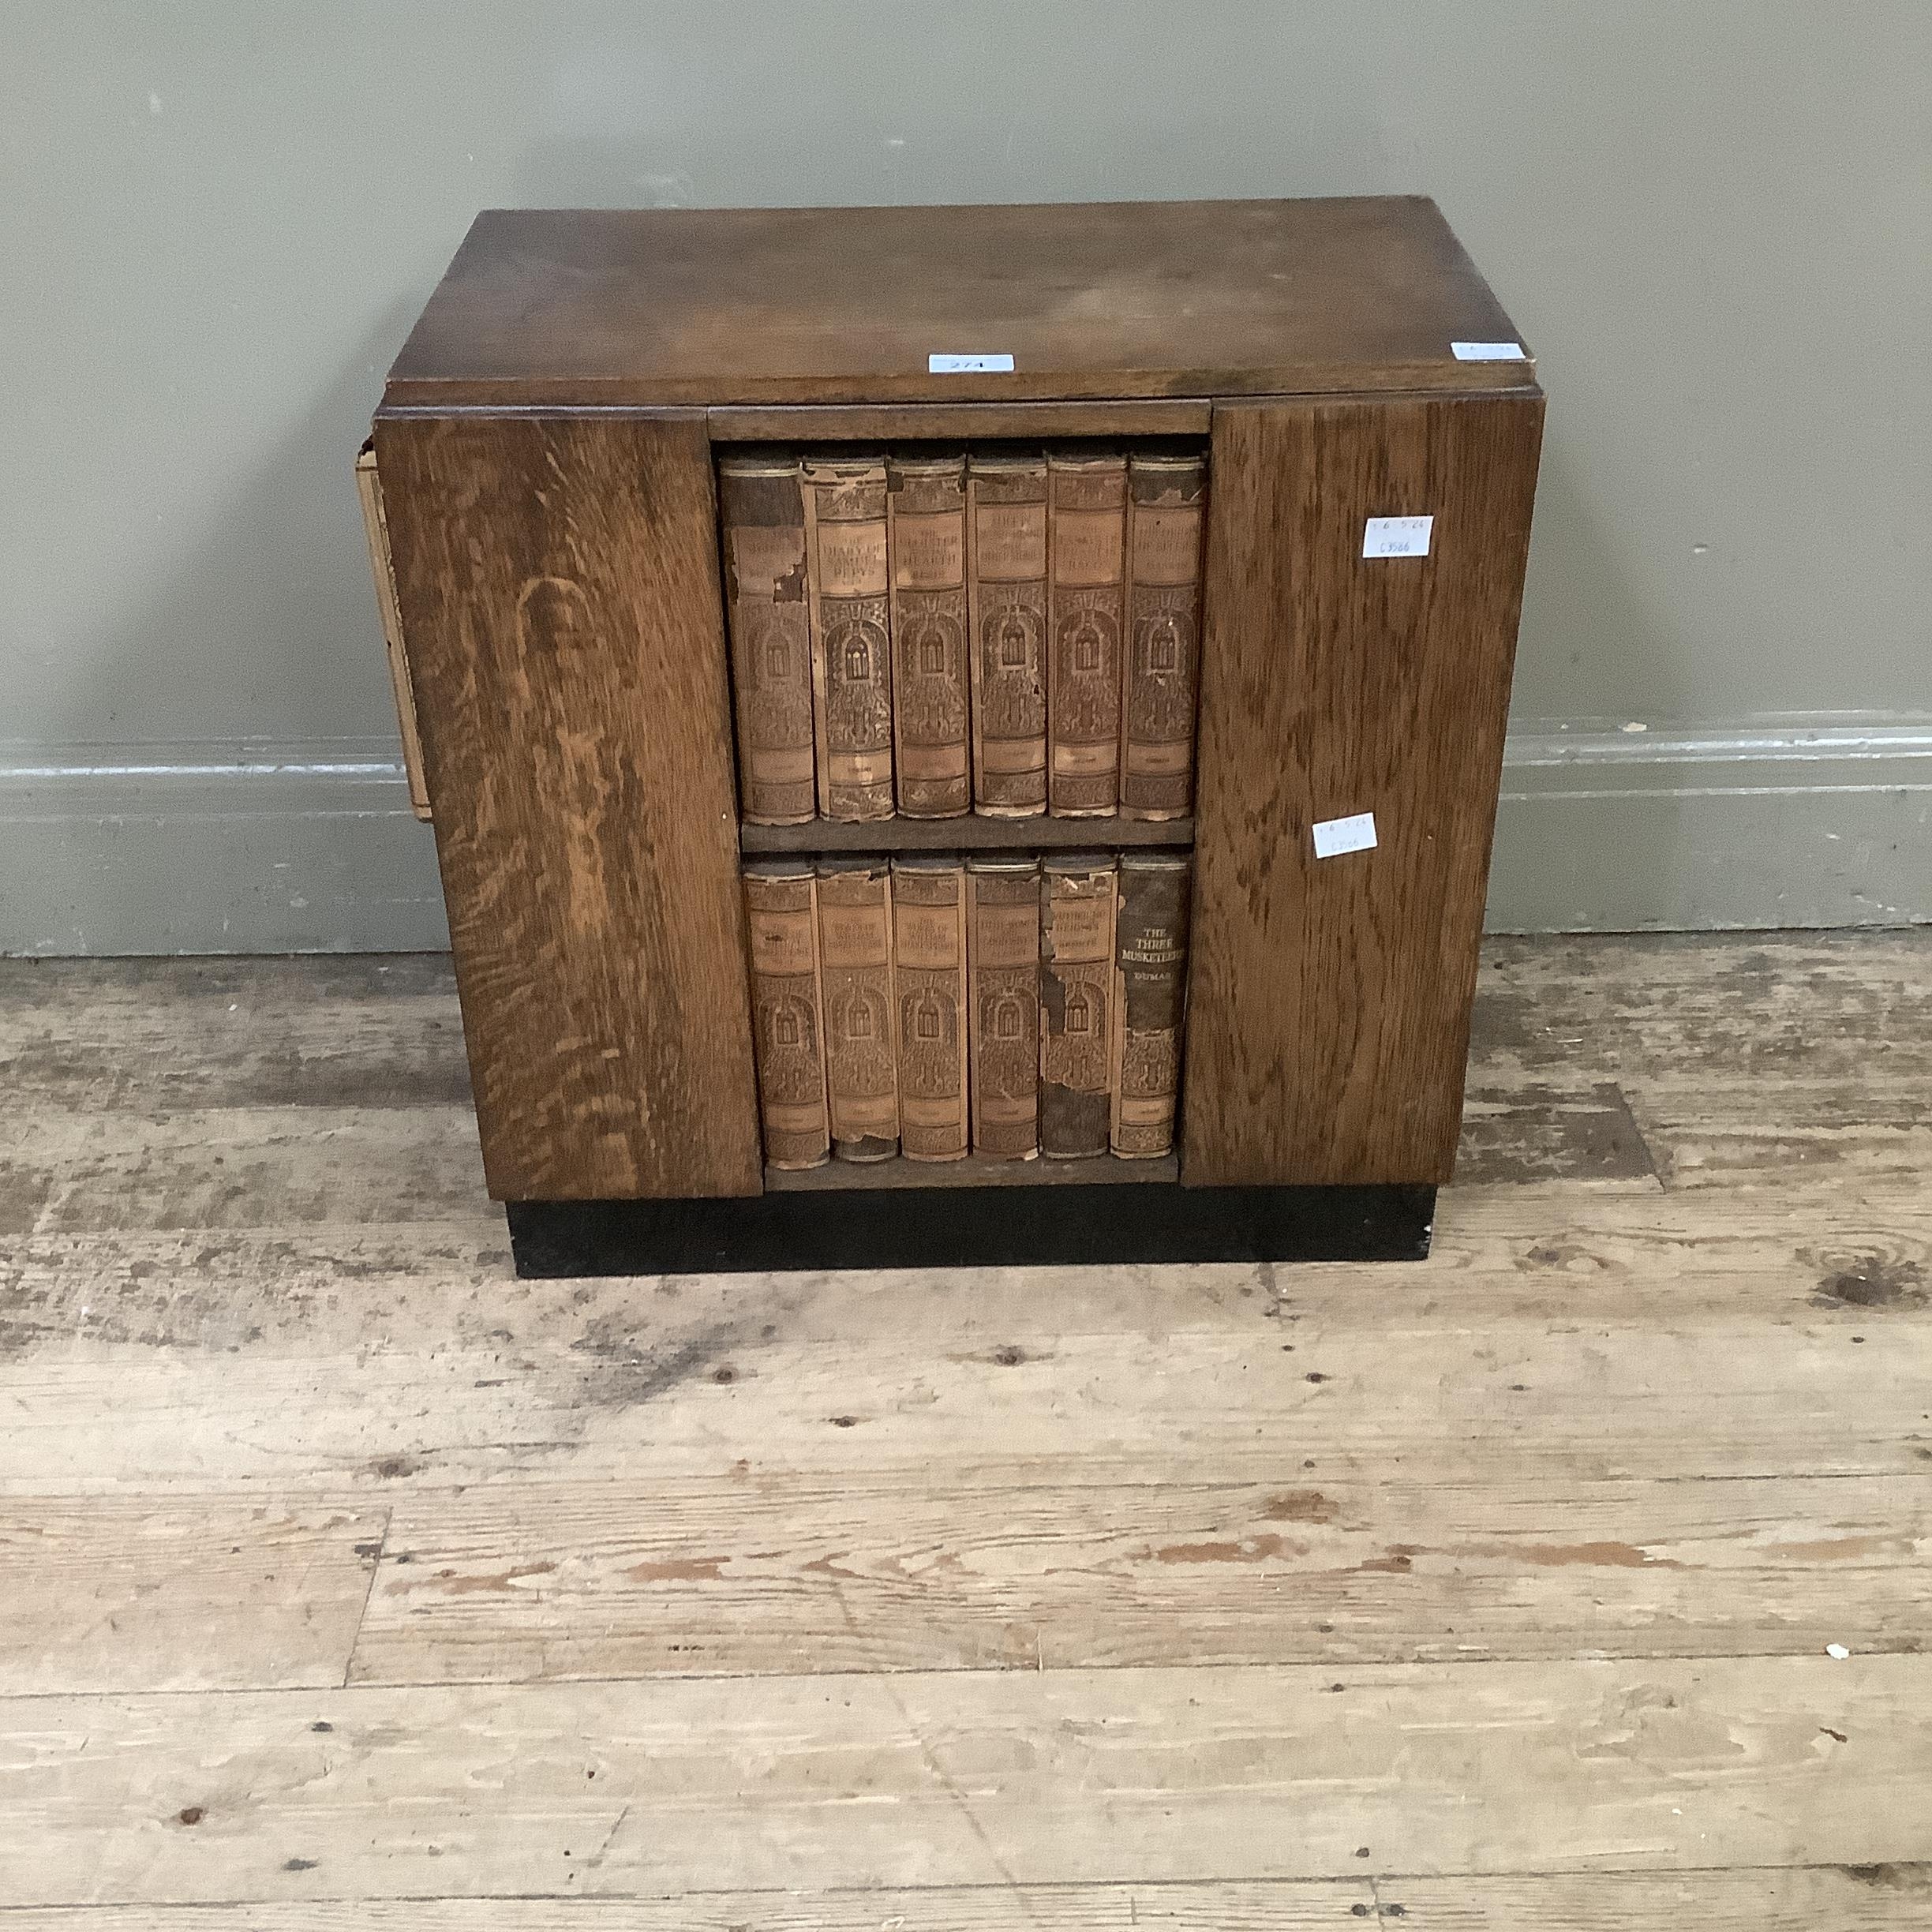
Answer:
(1712, 222)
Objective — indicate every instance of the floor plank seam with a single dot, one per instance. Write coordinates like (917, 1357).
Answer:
(1910, 1647)
(1643, 1140)
(355, 1640)
(1884, 1874)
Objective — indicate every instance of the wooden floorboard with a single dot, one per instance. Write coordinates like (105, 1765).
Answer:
(1885, 1897)
(967, 1777)
(503, 1584)
(143, 1593)
(342, 1576)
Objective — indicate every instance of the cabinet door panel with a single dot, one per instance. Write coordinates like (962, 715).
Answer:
(1329, 998)
(559, 586)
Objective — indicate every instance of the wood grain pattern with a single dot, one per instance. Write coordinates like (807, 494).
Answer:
(1552, 1369)
(967, 1777)
(1676, 1414)
(767, 1575)
(1106, 301)
(375, 524)
(196, 1593)
(1329, 999)
(559, 581)
(1888, 1897)
(1307, 1905)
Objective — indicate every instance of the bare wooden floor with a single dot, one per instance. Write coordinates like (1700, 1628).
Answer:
(344, 1577)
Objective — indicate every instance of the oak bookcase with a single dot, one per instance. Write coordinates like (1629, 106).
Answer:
(544, 446)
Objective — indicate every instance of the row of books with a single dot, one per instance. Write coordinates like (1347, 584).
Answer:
(933, 1005)
(1002, 633)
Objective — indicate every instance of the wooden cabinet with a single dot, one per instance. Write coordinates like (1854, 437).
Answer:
(545, 449)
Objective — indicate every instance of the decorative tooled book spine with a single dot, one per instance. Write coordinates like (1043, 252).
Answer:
(763, 517)
(855, 969)
(929, 988)
(1166, 497)
(851, 634)
(787, 1011)
(1076, 996)
(1086, 544)
(1002, 960)
(1150, 984)
(925, 540)
(1006, 567)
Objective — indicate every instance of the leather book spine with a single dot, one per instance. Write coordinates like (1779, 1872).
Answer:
(929, 986)
(786, 1011)
(1086, 544)
(1150, 989)
(855, 968)
(848, 596)
(925, 540)
(1076, 995)
(1166, 497)
(1006, 582)
(763, 518)
(1002, 962)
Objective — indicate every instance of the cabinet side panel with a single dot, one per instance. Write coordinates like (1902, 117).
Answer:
(559, 582)
(1329, 998)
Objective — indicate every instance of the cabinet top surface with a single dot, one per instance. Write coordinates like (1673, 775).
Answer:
(693, 306)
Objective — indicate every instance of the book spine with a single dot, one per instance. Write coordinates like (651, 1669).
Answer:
(929, 986)
(1076, 995)
(848, 594)
(786, 1011)
(1166, 496)
(925, 540)
(855, 968)
(1150, 985)
(1086, 543)
(1006, 579)
(1002, 962)
(763, 517)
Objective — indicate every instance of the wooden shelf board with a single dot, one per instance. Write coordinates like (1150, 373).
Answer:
(838, 1176)
(968, 834)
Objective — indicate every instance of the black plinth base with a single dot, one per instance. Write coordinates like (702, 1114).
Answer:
(970, 1227)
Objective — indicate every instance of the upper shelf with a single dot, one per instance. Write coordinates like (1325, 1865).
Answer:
(974, 833)
(833, 306)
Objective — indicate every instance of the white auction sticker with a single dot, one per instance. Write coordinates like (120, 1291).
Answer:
(1334, 836)
(968, 365)
(1489, 352)
(1387, 537)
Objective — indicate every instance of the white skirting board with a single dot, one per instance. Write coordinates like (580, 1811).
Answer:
(1736, 827)
(298, 848)
(288, 848)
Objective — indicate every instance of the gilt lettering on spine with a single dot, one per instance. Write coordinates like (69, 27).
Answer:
(1166, 497)
(925, 502)
(851, 634)
(1087, 541)
(855, 955)
(929, 988)
(1007, 586)
(1150, 985)
(1077, 998)
(1002, 959)
(787, 1011)
(770, 628)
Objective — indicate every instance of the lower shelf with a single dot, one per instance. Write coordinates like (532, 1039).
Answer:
(842, 1177)
(901, 1227)
(972, 833)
